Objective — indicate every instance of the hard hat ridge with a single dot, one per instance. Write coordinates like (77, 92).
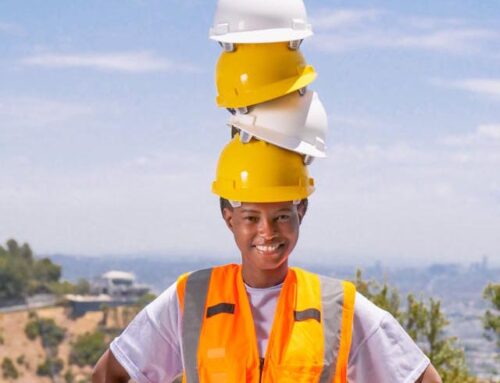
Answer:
(260, 21)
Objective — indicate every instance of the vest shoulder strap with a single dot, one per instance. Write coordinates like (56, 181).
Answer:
(194, 301)
(337, 312)
(346, 331)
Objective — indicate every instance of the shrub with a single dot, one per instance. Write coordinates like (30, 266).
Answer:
(9, 370)
(32, 330)
(69, 377)
(50, 367)
(87, 349)
(20, 360)
(50, 333)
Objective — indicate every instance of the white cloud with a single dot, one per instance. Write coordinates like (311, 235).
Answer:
(153, 203)
(403, 200)
(343, 18)
(487, 134)
(362, 29)
(453, 40)
(485, 86)
(491, 131)
(11, 29)
(32, 112)
(131, 62)
(430, 23)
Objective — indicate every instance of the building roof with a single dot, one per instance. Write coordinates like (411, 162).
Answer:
(118, 275)
(88, 298)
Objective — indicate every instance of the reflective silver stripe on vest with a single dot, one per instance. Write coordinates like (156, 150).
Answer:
(195, 297)
(332, 301)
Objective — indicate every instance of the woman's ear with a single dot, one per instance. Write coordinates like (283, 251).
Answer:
(227, 214)
(302, 209)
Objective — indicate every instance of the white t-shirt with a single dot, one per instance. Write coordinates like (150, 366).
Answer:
(381, 351)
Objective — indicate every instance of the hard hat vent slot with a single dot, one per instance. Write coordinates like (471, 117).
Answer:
(221, 29)
(299, 24)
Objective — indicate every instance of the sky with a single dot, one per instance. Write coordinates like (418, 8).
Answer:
(109, 131)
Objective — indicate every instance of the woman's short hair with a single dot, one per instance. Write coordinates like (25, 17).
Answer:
(225, 204)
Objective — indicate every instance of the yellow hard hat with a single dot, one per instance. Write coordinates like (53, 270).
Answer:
(255, 73)
(261, 172)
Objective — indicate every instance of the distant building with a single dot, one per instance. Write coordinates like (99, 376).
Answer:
(114, 288)
(118, 284)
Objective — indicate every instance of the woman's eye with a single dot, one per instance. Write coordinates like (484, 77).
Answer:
(250, 219)
(283, 218)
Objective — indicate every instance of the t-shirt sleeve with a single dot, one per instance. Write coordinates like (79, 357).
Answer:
(381, 350)
(149, 348)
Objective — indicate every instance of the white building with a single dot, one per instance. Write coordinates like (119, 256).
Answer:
(114, 288)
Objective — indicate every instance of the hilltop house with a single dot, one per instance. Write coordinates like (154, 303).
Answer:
(113, 288)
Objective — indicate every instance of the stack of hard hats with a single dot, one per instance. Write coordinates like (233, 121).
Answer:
(278, 125)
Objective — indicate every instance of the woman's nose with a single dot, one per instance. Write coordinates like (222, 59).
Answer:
(267, 228)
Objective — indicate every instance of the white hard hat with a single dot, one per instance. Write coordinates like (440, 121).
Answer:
(293, 122)
(260, 21)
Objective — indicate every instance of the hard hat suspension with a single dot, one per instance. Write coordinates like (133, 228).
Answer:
(294, 44)
(228, 47)
(245, 137)
(308, 160)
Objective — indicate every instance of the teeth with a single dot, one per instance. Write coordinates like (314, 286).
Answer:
(267, 248)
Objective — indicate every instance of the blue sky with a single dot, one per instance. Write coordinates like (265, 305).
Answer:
(109, 133)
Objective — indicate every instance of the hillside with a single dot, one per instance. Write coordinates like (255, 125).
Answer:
(28, 354)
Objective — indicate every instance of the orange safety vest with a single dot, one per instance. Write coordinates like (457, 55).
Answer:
(309, 341)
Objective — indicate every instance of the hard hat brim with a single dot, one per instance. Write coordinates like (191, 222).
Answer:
(291, 143)
(262, 195)
(261, 36)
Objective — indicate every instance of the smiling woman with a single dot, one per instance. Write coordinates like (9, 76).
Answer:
(266, 234)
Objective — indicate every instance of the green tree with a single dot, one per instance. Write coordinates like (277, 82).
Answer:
(491, 319)
(50, 367)
(425, 323)
(50, 333)
(9, 371)
(69, 377)
(87, 349)
(44, 271)
(22, 275)
(14, 272)
(382, 295)
(445, 354)
(82, 287)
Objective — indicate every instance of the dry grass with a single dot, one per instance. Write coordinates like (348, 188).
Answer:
(16, 344)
